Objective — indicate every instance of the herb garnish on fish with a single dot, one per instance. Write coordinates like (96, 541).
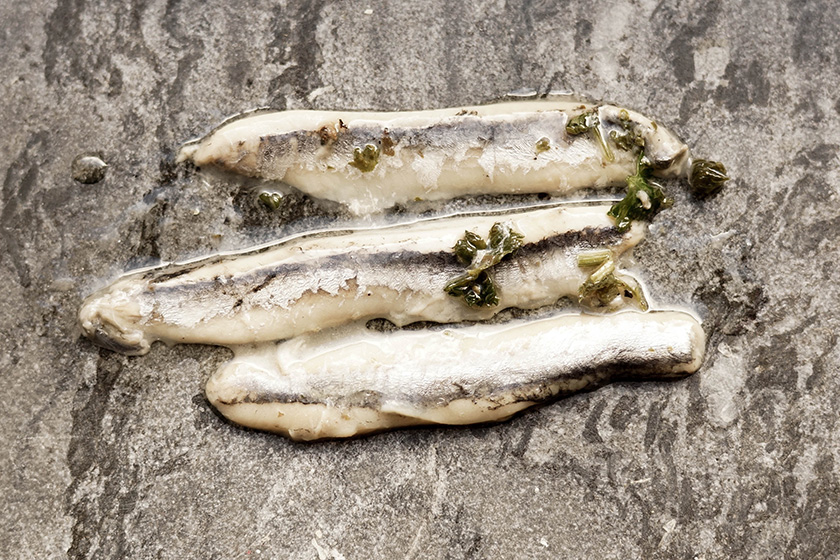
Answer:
(476, 285)
(603, 286)
(589, 122)
(643, 200)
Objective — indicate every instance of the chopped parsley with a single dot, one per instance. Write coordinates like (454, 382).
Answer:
(643, 200)
(589, 122)
(476, 285)
(629, 139)
(603, 286)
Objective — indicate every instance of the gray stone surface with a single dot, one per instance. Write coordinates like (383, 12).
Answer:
(112, 457)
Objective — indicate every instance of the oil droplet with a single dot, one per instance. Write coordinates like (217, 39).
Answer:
(88, 168)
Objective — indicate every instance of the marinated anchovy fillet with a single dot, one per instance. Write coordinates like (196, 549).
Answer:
(372, 161)
(316, 281)
(330, 385)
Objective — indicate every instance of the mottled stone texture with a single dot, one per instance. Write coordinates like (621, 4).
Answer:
(112, 457)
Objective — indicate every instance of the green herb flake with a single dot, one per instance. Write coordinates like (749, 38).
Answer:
(707, 177)
(467, 248)
(271, 199)
(543, 145)
(643, 200)
(582, 123)
(629, 139)
(589, 122)
(503, 241)
(477, 291)
(603, 286)
(596, 257)
(604, 294)
(623, 141)
(365, 160)
(476, 285)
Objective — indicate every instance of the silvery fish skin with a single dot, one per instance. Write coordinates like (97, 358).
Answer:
(503, 148)
(335, 385)
(317, 281)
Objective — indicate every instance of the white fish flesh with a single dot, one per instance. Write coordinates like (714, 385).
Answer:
(321, 280)
(373, 160)
(333, 385)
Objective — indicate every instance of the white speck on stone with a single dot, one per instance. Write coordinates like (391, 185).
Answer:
(325, 553)
(803, 373)
(669, 529)
(368, 12)
(721, 385)
(322, 552)
(710, 65)
(544, 542)
(803, 472)
(610, 23)
(719, 240)
(318, 92)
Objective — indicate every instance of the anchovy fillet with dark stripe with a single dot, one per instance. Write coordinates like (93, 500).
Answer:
(314, 282)
(372, 161)
(325, 386)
